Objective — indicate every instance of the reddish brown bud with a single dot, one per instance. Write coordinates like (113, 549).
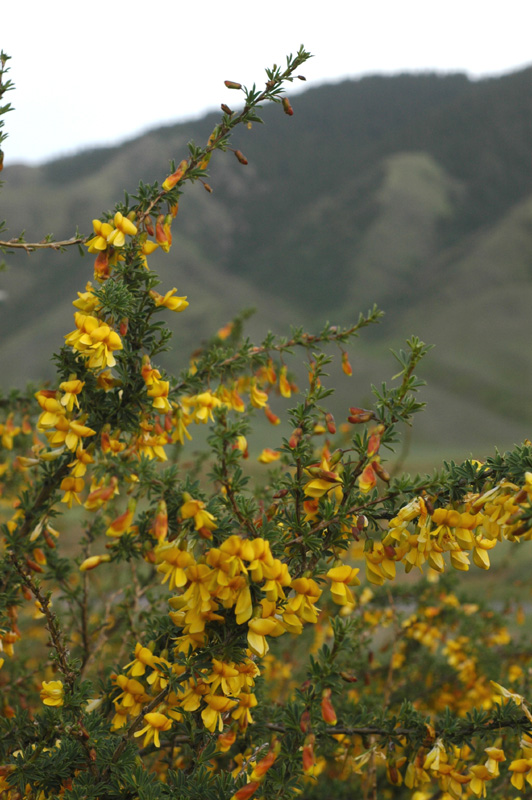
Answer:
(329, 421)
(304, 722)
(241, 157)
(345, 676)
(359, 415)
(287, 108)
(429, 505)
(249, 789)
(226, 109)
(33, 565)
(327, 710)
(124, 324)
(295, 438)
(48, 539)
(281, 493)
(381, 472)
(233, 85)
(207, 188)
(148, 222)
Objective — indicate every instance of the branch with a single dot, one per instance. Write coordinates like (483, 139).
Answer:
(30, 247)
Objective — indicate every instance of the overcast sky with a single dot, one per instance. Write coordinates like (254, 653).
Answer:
(97, 72)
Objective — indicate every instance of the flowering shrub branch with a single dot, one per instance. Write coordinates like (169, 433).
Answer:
(207, 632)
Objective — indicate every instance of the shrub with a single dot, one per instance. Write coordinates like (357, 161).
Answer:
(197, 628)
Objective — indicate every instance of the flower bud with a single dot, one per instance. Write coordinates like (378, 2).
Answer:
(233, 85)
(304, 722)
(93, 561)
(329, 421)
(359, 415)
(241, 157)
(287, 108)
(295, 438)
(327, 711)
(226, 109)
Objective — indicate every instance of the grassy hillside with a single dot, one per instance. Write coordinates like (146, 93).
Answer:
(414, 192)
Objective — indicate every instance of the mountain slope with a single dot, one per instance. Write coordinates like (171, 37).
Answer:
(412, 191)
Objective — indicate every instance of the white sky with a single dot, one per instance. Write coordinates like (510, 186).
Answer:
(97, 72)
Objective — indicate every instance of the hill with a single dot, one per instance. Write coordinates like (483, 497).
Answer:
(413, 191)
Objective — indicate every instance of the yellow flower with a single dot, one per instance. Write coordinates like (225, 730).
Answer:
(196, 509)
(342, 577)
(169, 301)
(216, 706)
(52, 693)
(268, 456)
(102, 231)
(123, 226)
(521, 767)
(155, 723)
(258, 398)
(71, 388)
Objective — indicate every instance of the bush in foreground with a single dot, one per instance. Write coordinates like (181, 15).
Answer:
(200, 628)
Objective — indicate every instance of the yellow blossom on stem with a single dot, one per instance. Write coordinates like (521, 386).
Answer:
(72, 488)
(169, 301)
(284, 384)
(521, 770)
(71, 388)
(196, 509)
(52, 693)
(99, 242)
(342, 577)
(172, 562)
(216, 706)
(268, 456)
(122, 227)
(257, 397)
(156, 723)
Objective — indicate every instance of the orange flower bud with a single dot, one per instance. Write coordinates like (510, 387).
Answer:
(327, 711)
(101, 266)
(308, 755)
(233, 85)
(174, 179)
(226, 740)
(346, 366)
(264, 764)
(304, 722)
(272, 418)
(226, 109)
(359, 415)
(295, 438)
(241, 157)
(246, 791)
(287, 108)
(160, 526)
(329, 421)
(148, 222)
